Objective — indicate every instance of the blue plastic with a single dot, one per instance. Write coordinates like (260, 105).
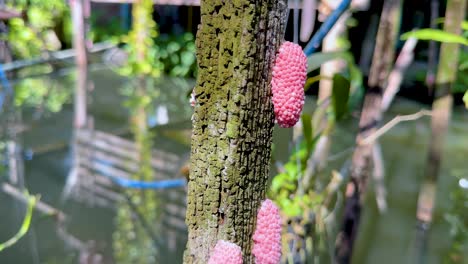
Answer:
(6, 87)
(135, 184)
(318, 37)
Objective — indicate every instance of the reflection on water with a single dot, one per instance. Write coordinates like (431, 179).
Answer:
(135, 239)
(104, 223)
(391, 237)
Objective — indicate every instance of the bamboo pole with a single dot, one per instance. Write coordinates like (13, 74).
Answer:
(432, 52)
(396, 75)
(121, 148)
(379, 72)
(361, 167)
(442, 105)
(441, 115)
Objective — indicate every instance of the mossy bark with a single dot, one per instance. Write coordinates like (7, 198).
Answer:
(232, 123)
(441, 107)
(441, 115)
(446, 76)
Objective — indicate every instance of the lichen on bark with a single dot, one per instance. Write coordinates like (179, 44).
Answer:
(232, 122)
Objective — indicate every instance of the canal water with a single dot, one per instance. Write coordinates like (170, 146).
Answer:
(44, 138)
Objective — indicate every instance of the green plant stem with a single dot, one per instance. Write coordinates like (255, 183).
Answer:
(24, 227)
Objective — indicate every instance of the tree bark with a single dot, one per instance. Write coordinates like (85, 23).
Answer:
(232, 124)
(441, 114)
(446, 76)
(433, 46)
(381, 65)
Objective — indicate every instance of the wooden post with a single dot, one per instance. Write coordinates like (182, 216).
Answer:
(81, 62)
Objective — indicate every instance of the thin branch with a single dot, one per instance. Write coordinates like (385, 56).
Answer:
(31, 200)
(341, 153)
(54, 56)
(399, 118)
(433, 48)
(38, 205)
(396, 75)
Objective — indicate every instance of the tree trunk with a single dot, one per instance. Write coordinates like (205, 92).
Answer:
(446, 75)
(381, 65)
(433, 46)
(361, 166)
(441, 112)
(232, 123)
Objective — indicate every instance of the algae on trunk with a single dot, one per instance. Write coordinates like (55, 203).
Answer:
(232, 123)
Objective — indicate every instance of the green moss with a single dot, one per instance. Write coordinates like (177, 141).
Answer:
(232, 129)
(232, 122)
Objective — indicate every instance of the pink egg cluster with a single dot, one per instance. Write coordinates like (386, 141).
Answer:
(226, 253)
(267, 236)
(287, 84)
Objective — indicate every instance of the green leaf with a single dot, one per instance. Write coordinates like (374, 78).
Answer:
(278, 182)
(24, 227)
(465, 99)
(435, 35)
(356, 97)
(312, 80)
(340, 95)
(441, 20)
(290, 208)
(355, 75)
(291, 169)
(463, 65)
(307, 130)
(464, 25)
